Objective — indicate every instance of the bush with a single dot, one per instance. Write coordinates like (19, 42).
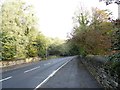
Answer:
(114, 63)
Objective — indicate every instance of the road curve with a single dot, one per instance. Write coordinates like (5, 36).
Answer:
(65, 72)
(72, 75)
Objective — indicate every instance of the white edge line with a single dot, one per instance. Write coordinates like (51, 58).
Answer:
(31, 69)
(5, 79)
(51, 75)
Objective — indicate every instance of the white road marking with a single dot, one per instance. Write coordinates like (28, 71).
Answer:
(31, 69)
(51, 75)
(47, 64)
(5, 79)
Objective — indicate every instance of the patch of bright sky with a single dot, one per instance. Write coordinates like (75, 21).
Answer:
(55, 16)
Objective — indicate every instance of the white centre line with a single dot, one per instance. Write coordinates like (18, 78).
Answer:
(5, 79)
(51, 75)
(31, 69)
(47, 64)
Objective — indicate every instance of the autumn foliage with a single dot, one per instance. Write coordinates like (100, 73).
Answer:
(93, 33)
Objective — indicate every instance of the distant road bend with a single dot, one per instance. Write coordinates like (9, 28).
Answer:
(65, 72)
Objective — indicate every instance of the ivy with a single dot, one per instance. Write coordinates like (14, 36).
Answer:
(114, 59)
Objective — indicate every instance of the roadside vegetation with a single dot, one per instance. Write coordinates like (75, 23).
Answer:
(20, 35)
(92, 33)
(19, 32)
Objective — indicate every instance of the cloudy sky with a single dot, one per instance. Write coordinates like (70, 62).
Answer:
(55, 16)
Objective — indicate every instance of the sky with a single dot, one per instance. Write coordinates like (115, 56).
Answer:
(55, 16)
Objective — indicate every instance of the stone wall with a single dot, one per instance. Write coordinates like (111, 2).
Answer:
(96, 66)
(17, 62)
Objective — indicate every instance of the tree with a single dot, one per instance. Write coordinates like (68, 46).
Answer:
(42, 45)
(18, 25)
(92, 34)
(56, 47)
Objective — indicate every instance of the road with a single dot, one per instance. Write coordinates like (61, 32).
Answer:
(65, 72)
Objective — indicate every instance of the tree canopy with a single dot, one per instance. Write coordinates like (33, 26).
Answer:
(20, 35)
(92, 34)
